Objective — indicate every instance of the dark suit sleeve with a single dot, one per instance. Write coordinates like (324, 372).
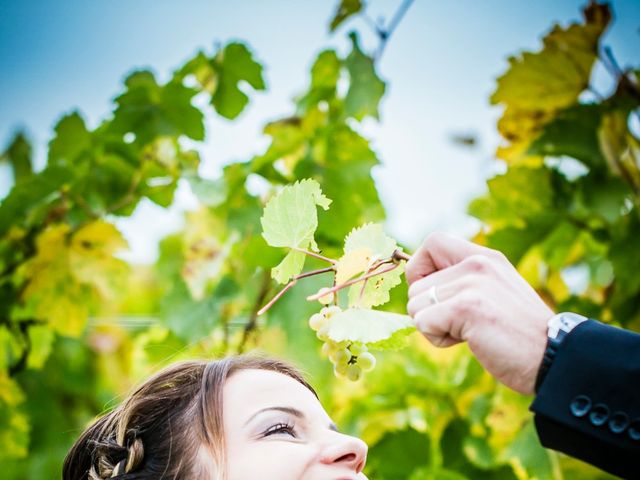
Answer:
(588, 405)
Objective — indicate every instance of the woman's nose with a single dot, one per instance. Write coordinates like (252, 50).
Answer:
(347, 451)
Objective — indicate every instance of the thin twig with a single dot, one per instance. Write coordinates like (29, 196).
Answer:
(315, 255)
(128, 197)
(251, 324)
(334, 289)
(612, 66)
(377, 29)
(364, 284)
(82, 203)
(291, 284)
(400, 255)
(393, 24)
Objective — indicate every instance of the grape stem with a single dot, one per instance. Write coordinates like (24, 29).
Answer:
(352, 282)
(400, 255)
(371, 269)
(289, 285)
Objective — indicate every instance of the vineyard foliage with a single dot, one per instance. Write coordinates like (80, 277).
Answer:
(79, 326)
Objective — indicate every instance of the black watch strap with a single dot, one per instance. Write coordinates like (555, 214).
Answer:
(558, 328)
(547, 359)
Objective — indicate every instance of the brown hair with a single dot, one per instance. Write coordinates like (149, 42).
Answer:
(165, 428)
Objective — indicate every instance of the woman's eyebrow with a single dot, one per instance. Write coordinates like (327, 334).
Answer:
(291, 411)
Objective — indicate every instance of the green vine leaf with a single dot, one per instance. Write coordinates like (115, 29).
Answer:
(234, 64)
(366, 89)
(150, 110)
(290, 220)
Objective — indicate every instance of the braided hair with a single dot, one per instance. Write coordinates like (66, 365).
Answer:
(114, 460)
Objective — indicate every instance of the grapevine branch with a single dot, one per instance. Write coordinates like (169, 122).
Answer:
(384, 32)
(395, 259)
(398, 254)
(129, 195)
(251, 324)
(352, 282)
(289, 285)
(314, 254)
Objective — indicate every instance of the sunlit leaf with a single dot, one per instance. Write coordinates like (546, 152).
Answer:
(352, 263)
(69, 272)
(14, 426)
(290, 219)
(379, 330)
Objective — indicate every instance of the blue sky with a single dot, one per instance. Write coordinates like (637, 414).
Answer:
(441, 66)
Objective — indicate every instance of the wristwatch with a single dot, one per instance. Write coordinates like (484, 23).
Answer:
(559, 327)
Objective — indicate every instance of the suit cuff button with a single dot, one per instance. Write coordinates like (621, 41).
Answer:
(619, 422)
(599, 414)
(580, 406)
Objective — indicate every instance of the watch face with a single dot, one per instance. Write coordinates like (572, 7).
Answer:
(565, 322)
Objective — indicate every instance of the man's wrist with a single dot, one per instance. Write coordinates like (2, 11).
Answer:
(558, 327)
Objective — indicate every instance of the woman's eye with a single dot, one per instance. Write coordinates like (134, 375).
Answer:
(280, 428)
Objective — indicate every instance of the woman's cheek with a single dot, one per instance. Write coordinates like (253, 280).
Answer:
(273, 461)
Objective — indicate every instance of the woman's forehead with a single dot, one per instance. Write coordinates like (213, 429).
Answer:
(250, 390)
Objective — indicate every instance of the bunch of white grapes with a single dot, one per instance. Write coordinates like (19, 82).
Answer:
(349, 359)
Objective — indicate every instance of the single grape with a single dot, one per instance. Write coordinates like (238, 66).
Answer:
(340, 356)
(354, 372)
(323, 333)
(340, 370)
(316, 321)
(327, 348)
(366, 361)
(357, 348)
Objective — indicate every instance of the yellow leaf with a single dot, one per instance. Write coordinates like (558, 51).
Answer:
(352, 263)
(69, 272)
(554, 77)
(537, 85)
(531, 267)
(14, 429)
(519, 128)
(205, 251)
(91, 257)
(557, 287)
(52, 293)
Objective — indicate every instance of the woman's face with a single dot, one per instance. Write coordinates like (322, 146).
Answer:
(276, 429)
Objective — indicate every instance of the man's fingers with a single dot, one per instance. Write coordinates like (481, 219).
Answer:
(436, 324)
(447, 284)
(474, 264)
(440, 250)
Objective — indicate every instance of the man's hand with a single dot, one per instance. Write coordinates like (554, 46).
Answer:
(482, 300)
